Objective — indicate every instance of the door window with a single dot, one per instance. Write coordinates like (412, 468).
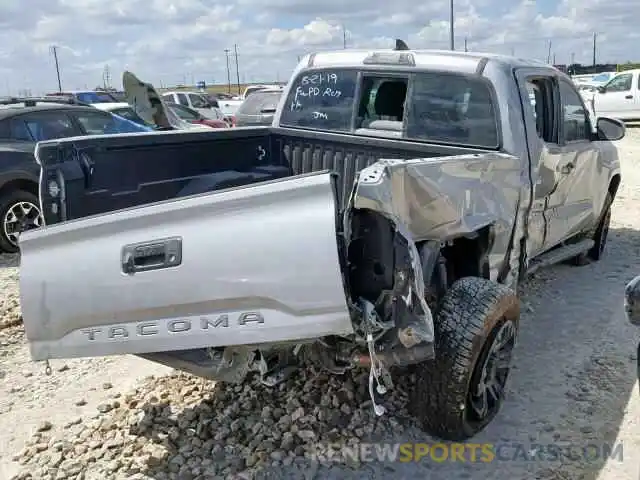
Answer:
(620, 83)
(574, 117)
(185, 113)
(540, 95)
(197, 101)
(182, 99)
(48, 126)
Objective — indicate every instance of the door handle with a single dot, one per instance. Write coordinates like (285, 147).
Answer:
(629, 97)
(153, 255)
(567, 168)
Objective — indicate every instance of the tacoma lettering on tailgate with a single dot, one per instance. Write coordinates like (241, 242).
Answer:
(177, 326)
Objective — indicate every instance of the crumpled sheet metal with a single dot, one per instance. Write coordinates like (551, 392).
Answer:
(446, 197)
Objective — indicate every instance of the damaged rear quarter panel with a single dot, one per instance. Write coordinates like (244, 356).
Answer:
(447, 197)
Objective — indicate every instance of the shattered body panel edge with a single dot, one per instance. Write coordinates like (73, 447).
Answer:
(448, 197)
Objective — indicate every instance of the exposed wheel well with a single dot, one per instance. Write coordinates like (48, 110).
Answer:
(19, 184)
(467, 256)
(613, 185)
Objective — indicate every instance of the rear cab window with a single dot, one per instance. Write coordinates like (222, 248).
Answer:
(434, 107)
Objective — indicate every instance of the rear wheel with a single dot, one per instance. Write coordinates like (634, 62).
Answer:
(458, 393)
(19, 211)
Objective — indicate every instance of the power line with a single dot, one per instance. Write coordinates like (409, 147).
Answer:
(54, 50)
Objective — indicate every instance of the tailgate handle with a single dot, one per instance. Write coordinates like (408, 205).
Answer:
(152, 255)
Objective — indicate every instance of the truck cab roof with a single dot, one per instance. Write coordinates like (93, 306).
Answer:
(462, 62)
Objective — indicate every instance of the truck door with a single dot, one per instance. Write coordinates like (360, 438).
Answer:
(571, 207)
(537, 92)
(620, 98)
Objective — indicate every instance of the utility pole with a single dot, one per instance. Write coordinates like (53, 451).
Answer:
(344, 38)
(54, 50)
(226, 52)
(554, 58)
(451, 43)
(549, 53)
(465, 44)
(594, 48)
(235, 48)
(106, 77)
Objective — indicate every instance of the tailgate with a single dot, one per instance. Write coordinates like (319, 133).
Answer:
(254, 264)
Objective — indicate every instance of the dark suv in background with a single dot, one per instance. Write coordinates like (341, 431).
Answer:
(23, 123)
(258, 108)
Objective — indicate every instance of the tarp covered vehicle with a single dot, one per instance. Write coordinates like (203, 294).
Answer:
(382, 221)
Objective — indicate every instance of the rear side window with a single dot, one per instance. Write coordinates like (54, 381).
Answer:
(322, 100)
(49, 126)
(96, 123)
(19, 131)
(451, 108)
(260, 102)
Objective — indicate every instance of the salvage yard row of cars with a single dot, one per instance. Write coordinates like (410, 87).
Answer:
(401, 195)
(26, 121)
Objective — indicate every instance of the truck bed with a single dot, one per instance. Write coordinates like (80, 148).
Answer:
(101, 174)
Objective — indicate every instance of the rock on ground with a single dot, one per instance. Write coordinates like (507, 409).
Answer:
(573, 385)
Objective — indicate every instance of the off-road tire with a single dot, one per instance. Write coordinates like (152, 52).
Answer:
(6, 202)
(599, 236)
(467, 321)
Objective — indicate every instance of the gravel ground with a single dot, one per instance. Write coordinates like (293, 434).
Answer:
(573, 384)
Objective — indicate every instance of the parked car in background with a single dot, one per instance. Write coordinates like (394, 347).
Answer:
(86, 96)
(229, 108)
(195, 101)
(251, 89)
(23, 123)
(258, 109)
(193, 116)
(619, 97)
(124, 110)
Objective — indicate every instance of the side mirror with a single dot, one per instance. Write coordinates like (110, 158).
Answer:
(602, 89)
(632, 301)
(610, 129)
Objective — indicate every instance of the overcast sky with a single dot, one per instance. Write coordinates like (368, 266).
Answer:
(173, 41)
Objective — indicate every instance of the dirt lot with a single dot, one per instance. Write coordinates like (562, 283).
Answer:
(572, 386)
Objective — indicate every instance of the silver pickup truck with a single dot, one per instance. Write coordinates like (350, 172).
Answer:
(383, 222)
